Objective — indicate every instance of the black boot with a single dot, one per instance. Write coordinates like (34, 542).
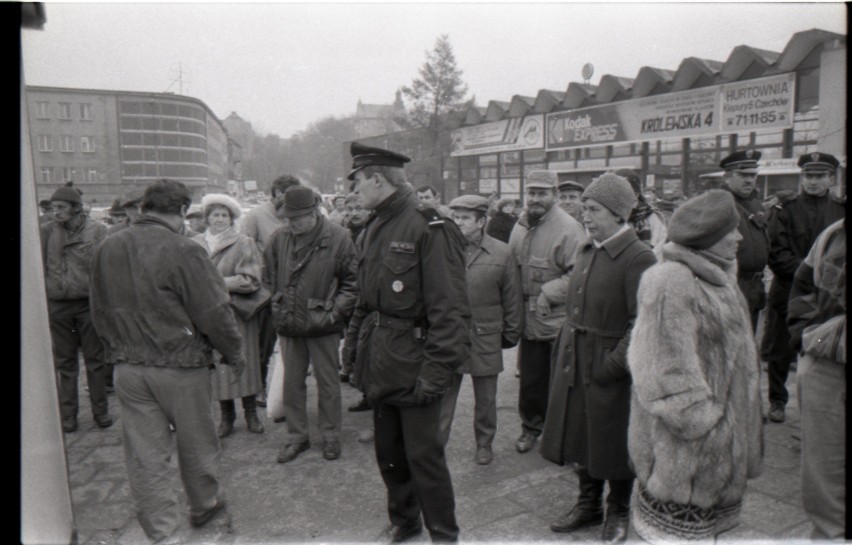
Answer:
(589, 508)
(229, 414)
(250, 408)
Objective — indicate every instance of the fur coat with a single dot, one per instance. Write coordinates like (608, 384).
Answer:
(695, 432)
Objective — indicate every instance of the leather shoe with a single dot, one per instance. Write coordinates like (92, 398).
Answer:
(525, 442)
(331, 450)
(362, 405)
(398, 534)
(576, 518)
(344, 378)
(776, 412)
(198, 521)
(69, 424)
(615, 528)
(290, 452)
(279, 419)
(103, 420)
(483, 456)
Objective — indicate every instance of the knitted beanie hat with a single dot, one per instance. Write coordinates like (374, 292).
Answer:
(704, 220)
(68, 193)
(614, 192)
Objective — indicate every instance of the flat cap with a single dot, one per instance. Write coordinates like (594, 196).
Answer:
(470, 202)
(366, 156)
(546, 179)
(742, 161)
(570, 185)
(818, 160)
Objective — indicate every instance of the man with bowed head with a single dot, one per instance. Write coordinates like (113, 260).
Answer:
(543, 242)
(412, 322)
(589, 404)
(160, 330)
(310, 270)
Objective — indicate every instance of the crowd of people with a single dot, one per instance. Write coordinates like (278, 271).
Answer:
(638, 360)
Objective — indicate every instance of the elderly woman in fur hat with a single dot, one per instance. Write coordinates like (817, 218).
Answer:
(695, 432)
(589, 403)
(237, 258)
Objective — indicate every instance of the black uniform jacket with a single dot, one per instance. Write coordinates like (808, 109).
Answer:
(412, 317)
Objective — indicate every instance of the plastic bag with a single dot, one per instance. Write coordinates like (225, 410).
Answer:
(275, 390)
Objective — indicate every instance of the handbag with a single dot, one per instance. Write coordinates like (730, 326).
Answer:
(246, 305)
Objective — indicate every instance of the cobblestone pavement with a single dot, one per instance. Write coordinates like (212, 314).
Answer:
(311, 500)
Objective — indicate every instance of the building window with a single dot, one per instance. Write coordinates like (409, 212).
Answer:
(64, 110)
(45, 142)
(87, 144)
(93, 175)
(86, 112)
(46, 175)
(66, 143)
(68, 174)
(43, 110)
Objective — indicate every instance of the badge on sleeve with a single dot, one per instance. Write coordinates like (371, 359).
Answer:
(397, 286)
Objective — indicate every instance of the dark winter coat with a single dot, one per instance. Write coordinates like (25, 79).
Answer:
(500, 226)
(412, 317)
(68, 257)
(589, 402)
(158, 300)
(312, 280)
(695, 420)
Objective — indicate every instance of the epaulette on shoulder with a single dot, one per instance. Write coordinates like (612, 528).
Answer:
(785, 201)
(433, 218)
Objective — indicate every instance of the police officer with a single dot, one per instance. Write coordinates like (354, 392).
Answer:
(753, 253)
(412, 315)
(793, 227)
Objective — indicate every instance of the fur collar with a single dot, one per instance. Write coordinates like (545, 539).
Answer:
(702, 267)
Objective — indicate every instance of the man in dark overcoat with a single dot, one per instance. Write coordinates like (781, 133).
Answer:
(741, 170)
(412, 319)
(793, 227)
(589, 405)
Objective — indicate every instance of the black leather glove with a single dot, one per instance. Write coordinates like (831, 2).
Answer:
(506, 343)
(425, 393)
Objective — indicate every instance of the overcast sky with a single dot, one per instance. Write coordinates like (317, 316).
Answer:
(283, 66)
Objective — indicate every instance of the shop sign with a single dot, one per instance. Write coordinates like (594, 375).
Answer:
(510, 134)
(762, 103)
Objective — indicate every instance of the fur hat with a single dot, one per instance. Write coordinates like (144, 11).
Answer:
(222, 200)
(68, 193)
(614, 192)
(704, 220)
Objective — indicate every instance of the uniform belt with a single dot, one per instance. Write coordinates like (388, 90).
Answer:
(595, 331)
(395, 323)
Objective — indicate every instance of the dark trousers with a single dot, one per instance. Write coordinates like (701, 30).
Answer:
(775, 348)
(71, 327)
(411, 459)
(266, 337)
(534, 365)
(591, 494)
